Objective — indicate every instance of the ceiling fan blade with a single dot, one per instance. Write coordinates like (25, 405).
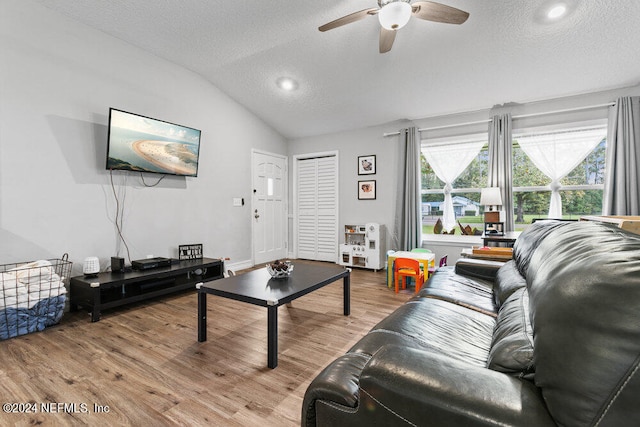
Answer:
(387, 38)
(436, 12)
(348, 19)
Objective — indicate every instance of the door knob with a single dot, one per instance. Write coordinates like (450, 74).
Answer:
(256, 216)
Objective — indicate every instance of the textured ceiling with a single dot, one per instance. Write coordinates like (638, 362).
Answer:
(507, 51)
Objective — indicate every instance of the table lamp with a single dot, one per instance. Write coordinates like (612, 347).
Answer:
(491, 198)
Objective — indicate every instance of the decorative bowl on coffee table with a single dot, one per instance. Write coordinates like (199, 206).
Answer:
(280, 269)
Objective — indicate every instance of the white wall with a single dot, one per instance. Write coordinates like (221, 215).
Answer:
(57, 81)
(526, 115)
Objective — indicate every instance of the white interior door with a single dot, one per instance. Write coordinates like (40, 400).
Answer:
(316, 208)
(269, 211)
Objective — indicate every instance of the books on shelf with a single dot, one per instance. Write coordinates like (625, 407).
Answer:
(492, 252)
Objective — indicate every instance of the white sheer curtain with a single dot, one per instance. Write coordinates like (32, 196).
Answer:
(448, 160)
(557, 154)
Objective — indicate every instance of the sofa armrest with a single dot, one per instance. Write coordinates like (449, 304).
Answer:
(337, 383)
(425, 388)
(478, 268)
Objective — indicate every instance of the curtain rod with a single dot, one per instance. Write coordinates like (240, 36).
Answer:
(444, 126)
(566, 110)
(521, 116)
(477, 122)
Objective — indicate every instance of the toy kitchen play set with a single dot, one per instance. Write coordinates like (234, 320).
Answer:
(363, 246)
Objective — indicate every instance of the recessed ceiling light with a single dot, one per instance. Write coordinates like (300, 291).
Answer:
(287, 84)
(557, 11)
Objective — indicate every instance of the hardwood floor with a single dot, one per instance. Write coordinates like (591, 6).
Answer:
(142, 365)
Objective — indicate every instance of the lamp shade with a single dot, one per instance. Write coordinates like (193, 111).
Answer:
(395, 15)
(490, 196)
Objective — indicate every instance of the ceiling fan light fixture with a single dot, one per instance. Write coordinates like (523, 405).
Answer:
(395, 15)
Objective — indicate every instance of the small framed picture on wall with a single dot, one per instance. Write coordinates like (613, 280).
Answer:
(367, 165)
(367, 190)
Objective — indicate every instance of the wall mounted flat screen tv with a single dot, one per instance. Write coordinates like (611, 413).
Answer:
(142, 144)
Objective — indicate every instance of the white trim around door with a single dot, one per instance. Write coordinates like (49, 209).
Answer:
(269, 207)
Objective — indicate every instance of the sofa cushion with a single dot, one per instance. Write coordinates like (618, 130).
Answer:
(508, 280)
(584, 289)
(512, 346)
(525, 246)
(472, 293)
(482, 269)
(426, 323)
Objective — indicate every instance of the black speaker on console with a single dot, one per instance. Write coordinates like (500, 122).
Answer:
(117, 265)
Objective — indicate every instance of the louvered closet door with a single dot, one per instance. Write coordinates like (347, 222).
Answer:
(317, 208)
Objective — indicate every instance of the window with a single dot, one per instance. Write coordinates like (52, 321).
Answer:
(558, 174)
(453, 172)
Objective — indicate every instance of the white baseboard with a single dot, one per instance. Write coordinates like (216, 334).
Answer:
(242, 265)
(235, 266)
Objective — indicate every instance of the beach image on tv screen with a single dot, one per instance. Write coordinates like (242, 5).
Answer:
(142, 144)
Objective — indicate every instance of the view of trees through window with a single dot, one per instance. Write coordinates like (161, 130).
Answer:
(466, 193)
(581, 189)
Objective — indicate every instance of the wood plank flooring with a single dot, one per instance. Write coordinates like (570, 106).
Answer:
(142, 365)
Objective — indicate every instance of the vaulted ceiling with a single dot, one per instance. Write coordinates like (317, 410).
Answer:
(507, 51)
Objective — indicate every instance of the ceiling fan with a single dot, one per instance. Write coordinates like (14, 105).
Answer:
(394, 14)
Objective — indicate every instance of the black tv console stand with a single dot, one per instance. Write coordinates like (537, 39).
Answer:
(109, 290)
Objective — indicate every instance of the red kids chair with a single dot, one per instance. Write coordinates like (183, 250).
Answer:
(407, 267)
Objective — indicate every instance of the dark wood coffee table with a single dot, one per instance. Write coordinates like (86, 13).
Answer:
(259, 288)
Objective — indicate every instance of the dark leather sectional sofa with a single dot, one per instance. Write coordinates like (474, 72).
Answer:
(550, 338)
